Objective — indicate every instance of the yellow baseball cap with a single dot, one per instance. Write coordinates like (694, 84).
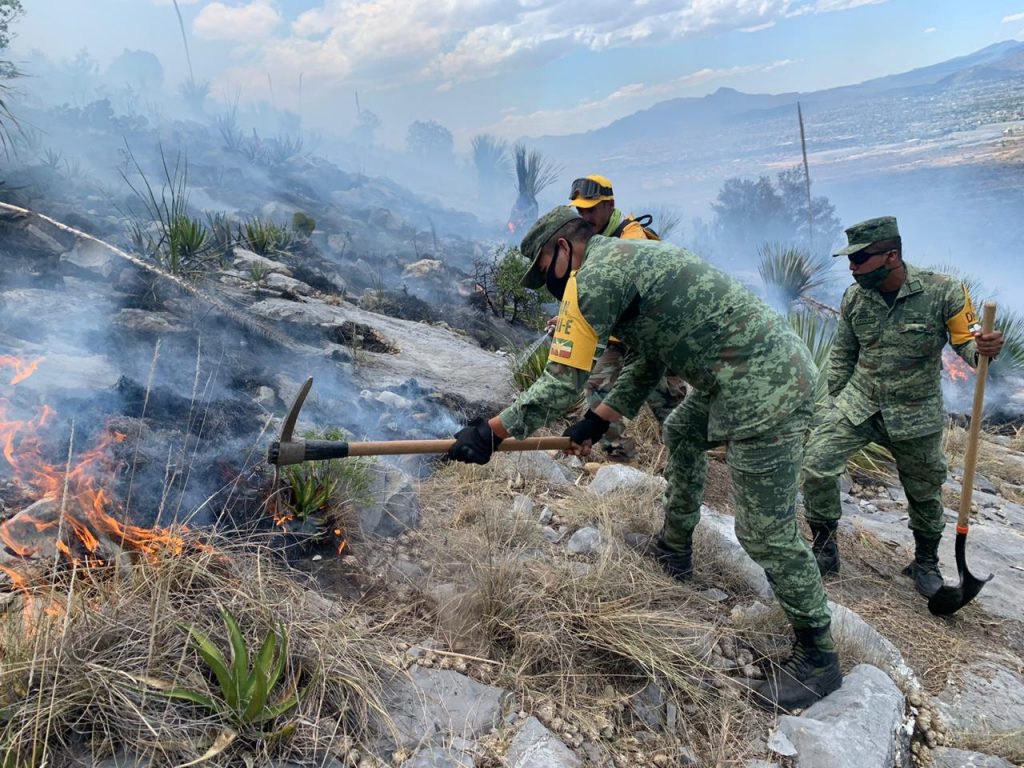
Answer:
(590, 190)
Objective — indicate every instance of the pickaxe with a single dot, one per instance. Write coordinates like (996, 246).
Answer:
(288, 449)
(951, 599)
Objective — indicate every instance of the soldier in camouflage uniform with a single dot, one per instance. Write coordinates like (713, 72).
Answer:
(594, 198)
(884, 374)
(755, 380)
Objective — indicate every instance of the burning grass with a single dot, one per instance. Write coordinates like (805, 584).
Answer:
(86, 662)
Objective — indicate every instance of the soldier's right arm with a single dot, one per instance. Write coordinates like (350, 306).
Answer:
(845, 349)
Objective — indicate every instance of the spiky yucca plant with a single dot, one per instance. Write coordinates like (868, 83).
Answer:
(666, 219)
(264, 237)
(817, 331)
(533, 175)
(490, 158)
(182, 244)
(790, 273)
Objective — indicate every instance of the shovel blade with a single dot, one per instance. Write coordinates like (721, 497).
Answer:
(949, 600)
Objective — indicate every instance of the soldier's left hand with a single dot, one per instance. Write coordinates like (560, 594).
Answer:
(989, 344)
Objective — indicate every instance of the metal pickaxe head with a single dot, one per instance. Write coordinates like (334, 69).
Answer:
(287, 450)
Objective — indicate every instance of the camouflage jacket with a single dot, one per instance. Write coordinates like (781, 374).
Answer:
(889, 360)
(675, 312)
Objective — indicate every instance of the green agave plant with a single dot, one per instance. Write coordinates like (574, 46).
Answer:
(247, 684)
(264, 237)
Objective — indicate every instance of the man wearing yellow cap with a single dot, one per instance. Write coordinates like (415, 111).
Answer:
(593, 198)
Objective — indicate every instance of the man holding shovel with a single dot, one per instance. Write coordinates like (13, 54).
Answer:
(754, 380)
(884, 375)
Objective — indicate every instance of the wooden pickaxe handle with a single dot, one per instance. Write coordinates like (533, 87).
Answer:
(288, 450)
(297, 451)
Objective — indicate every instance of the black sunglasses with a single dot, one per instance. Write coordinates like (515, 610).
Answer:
(587, 189)
(862, 256)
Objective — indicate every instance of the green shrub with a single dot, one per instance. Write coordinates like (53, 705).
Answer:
(303, 223)
(500, 280)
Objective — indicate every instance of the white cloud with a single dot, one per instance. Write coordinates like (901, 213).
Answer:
(929, 30)
(381, 44)
(593, 112)
(171, 2)
(454, 41)
(830, 6)
(250, 23)
(759, 27)
(1013, 17)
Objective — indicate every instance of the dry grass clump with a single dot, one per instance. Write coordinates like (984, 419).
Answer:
(582, 636)
(1003, 465)
(86, 663)
(1009, 746)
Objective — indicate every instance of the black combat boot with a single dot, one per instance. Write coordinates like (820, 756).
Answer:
(677, 563)
(810, 673)
(824, 547)
(924, 570)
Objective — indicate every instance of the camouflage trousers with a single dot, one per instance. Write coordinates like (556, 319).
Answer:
(764, 471)
(920, 463)
(669, 393)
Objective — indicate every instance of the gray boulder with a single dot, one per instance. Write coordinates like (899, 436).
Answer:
(392, 505)
(619, 478)
(586, 541)
(246, 260)
(945, 757)
(854, 727)
(988, 697)
(534, 467)
(440, 757)
(278, 282)
(430, 706)
(91, 257)
(534, 746)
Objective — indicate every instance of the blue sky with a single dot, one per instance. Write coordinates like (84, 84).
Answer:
(516, 69)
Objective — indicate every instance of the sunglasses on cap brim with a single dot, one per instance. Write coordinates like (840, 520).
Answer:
(588, 189)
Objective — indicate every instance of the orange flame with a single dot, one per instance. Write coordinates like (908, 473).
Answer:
(957, 369)
(86, 508)
(22, 369)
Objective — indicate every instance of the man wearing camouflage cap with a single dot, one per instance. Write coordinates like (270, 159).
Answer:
(884, 375)
(592, 196)
(754, 378)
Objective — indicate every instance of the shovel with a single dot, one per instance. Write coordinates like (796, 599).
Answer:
(949, 600)
(290, 450)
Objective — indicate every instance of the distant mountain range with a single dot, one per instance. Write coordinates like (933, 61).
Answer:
(668, 133)
(941, 147)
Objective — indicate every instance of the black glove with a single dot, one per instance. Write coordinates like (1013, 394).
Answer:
(474, 443)
(592, 428)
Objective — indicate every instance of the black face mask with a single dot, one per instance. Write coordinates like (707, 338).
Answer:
(556, 285)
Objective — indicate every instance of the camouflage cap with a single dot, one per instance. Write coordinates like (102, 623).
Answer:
(869, 232)
(542, 231)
